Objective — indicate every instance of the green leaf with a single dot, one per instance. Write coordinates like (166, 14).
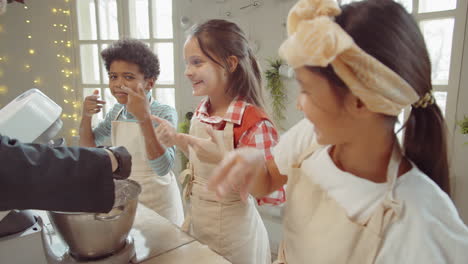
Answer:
(277, 91)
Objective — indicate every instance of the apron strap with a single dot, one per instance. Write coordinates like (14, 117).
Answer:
(119, 113)
(281, 255)
(304, 155)
(391, 208)
(186, 176)
(228, 136)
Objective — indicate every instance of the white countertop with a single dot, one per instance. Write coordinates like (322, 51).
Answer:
(158, 241)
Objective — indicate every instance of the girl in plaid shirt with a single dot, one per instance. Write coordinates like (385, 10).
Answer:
(222, 67)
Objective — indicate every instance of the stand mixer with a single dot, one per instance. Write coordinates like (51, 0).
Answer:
(28, 236)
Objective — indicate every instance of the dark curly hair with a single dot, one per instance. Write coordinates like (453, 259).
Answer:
(134, 51)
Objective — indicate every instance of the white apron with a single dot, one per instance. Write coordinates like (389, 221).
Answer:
(160, 193)
(318, 230)
(230, 227)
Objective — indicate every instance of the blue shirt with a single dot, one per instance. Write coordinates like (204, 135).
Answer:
(161, 165)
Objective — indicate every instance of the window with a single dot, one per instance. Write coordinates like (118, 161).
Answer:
(101, 22)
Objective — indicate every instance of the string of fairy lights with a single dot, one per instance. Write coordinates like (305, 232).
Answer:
(63, 46)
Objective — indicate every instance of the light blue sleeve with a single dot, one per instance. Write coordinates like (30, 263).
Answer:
(163, 164)
(102, 132)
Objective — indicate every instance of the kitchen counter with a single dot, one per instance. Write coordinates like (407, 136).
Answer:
(158, 241)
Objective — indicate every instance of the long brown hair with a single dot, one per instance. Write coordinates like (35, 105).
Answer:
(384, 29)
(219, 39)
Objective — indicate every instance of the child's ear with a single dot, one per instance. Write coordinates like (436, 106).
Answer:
(233, 61)
(150, 83)
(356, 106)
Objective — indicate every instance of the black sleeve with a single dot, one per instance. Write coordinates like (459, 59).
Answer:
(35, 176)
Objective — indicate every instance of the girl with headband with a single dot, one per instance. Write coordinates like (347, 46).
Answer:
(354, 193)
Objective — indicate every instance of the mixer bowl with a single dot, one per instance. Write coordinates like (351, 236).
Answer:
(91, 235)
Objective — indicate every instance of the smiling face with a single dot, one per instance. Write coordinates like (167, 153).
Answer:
(317, 100)
(207, 77)
(123, 73)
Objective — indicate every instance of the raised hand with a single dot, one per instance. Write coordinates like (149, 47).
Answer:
(92, 104)
(165, 132)
(207, 150)
(137, 103)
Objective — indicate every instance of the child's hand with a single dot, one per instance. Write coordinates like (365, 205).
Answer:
(207, 150)
(237, 172)
(165, 132)
(137, 103)
(92, 105)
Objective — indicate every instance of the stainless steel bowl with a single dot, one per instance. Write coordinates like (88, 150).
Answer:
(91, 235)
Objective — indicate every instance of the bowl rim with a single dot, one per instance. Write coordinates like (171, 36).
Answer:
(139, 189)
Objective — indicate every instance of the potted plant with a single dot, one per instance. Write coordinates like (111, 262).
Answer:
(276, 89)
(184, 127)
(463, 124)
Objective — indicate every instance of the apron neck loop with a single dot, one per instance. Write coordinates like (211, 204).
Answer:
(393, 168)
(304, 155)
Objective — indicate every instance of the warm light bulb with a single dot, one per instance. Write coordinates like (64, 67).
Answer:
(3, 89)
(31, 51)
(65, 87)
(28, 21)
(69, 45)
(25, 7)
(29, 36)
(27, 66)
(54, 10)
(65, 101)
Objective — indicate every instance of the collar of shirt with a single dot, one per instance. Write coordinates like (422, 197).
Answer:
(233, 114)
(128, 115)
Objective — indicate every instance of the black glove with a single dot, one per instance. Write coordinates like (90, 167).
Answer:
(124, 160)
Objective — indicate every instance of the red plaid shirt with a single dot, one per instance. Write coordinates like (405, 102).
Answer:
(262, 136)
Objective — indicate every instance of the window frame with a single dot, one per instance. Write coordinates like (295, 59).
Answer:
(123, 18)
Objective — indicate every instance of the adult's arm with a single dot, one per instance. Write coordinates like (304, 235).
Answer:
(35, 176)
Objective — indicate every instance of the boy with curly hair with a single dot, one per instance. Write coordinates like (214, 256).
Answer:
(133, 70)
